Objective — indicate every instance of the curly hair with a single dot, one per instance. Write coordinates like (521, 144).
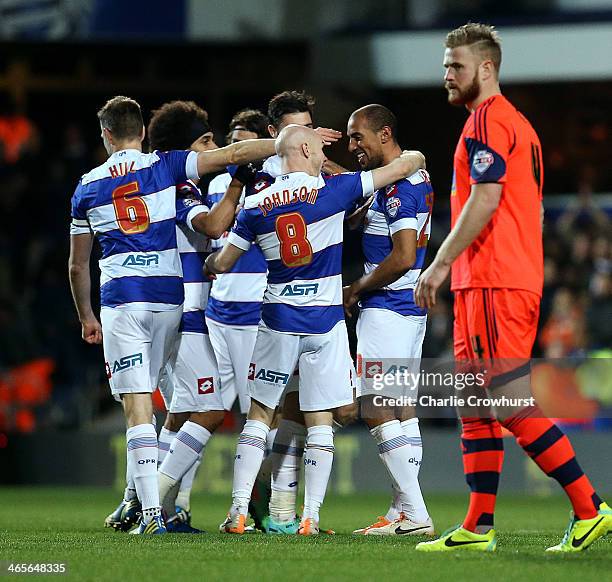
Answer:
(289, 102)
(176, 125)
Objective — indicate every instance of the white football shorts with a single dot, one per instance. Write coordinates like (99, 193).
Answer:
(137, 346)
(233, 348)
(294, 381)
(386, 339)
(194, 376)
(324, 368)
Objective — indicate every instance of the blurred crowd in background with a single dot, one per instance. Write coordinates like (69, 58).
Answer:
(49, 378)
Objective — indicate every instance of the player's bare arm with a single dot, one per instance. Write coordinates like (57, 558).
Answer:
(403, 166)
(355, 219)
(478, 211)
(239, 153)
(214, 223)
(80, 284)
(330, 168)
(222, 261)
(395, 264)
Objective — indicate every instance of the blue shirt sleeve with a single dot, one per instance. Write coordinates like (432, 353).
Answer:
(349, 188)
(187, 198)
(77, 207)
(243, 234)
(400, 201)
(177, 164)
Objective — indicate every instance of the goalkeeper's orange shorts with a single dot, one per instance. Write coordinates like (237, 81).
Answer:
(496, 327)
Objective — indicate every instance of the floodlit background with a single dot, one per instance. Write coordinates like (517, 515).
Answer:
(60, 60)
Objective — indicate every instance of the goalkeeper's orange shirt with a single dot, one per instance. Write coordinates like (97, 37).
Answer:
(499, 145)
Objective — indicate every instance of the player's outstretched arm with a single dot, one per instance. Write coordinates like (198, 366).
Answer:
(221, 217)
(476, 214)
(239, 153)
(406, 165)
(395, 264)
(330, 168)
(80, 284)
(222, 261)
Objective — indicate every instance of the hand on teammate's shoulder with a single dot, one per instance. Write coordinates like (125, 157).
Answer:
(414, 154)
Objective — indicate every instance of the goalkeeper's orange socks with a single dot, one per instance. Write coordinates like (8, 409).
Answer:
(552, 451)
(483, 457)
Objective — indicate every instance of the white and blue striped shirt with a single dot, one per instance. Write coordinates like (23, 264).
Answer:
(404, 205)
(193, 248)
(298, 223)
(129, 203)
(236, 296)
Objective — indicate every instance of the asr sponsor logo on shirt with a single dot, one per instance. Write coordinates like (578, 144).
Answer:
(141, 260)
(300, 289)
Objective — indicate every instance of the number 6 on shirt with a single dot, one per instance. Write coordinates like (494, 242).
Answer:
(132, 213)
(295, 248)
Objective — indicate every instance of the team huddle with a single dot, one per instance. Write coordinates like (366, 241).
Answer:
(236, 293)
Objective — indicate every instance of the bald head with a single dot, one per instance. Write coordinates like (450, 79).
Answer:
(300, 149)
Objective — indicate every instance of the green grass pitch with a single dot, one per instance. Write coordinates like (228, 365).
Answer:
(65, 525)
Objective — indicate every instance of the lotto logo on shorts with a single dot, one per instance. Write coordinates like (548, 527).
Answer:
(373, 369)
(109, 374)
(251, 375)
(206, 385)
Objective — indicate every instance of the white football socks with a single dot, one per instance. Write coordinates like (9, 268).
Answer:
(318, 459)
(411, 429)
(265, 470)
(183, 499)
(286, 461)
(142, 459)
(395, 508)
(247, 462)
(184, 451)
(130, 489)
(396, 453)
(164, 440)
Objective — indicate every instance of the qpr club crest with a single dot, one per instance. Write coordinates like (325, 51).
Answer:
(482, 161)
(393, 205)
(390, 190)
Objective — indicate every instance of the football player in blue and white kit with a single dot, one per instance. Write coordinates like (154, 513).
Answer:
(190, 384)
(298, 223)
(128, 203)
(195, 407)
(234, 311)
(390, 324)
(234, 307)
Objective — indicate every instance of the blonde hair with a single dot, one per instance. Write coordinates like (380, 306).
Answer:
(480, 38)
